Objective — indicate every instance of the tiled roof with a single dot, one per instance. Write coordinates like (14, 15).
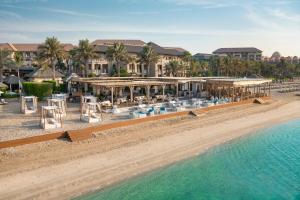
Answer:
(24, 47)
(6, 46)
(237, 50)
(176, 48)
(125, 42)
(137, 49)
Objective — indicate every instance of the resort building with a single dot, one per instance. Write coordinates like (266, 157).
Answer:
(103, 67)
(246, 53)
(29, 53)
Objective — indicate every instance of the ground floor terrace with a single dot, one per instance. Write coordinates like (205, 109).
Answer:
(132, 90)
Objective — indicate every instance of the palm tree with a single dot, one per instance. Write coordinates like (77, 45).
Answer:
(117, 54)
(187, 59)
(5, 60)
(147, 57)
(18, 58)
(84, 53)
(50, 52)
(173, 68)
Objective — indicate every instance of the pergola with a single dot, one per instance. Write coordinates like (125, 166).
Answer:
(241, 86)
(112, 85)
(209, 85)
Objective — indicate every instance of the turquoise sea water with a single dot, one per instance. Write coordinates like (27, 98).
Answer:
(261, 166)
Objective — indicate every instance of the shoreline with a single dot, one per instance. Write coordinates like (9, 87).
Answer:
(89, 173)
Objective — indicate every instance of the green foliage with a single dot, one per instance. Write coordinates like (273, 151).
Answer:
(92, 75)
(57, 88)
(41, 90)
(123, 72)
(9, 95)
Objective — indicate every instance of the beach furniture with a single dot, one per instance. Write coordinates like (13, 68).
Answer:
(29, 104)
(115, 110)
(61, 105)
(50, 118)
(162, 110)
(3, 102)
(91, 112)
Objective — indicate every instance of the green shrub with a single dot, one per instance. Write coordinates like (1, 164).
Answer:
(54, 85)
(40, 90)
(91, 75)
(8, 95)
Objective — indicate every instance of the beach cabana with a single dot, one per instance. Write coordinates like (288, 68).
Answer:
(44, 74)
(91, 112)
(61, 105)
(29, 104)
(50, 117)
(13, 82)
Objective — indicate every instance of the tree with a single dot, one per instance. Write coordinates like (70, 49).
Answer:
(187, 59)
(50, 52)
(5, 60)
(117, 54)
(147, 57)
(18, 58)
(83, 54)
(173, 68)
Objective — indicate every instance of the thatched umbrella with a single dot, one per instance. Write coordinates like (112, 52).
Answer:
(3, 86)
(13, 80)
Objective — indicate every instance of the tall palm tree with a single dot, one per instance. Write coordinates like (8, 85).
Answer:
(50, 52)
(84, 53)
(187, 59)
(173, 68)
(147, 57)
(5, 60)
(117, 54)
(18, 58)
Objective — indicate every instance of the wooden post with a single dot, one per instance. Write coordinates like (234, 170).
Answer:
(269, 89)
(177, 89)
(148, 93)
(131, 93)
(163, 91)
(112, 95)
(189, 89)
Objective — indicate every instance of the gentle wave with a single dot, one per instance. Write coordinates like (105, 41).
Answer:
(265, 165)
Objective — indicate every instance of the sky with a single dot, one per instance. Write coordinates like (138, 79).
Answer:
(199, 26)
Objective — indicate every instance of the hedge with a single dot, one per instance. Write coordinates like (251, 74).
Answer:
(40, 90)
(57, 88)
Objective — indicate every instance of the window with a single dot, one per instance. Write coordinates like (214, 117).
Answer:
(90, 67)
(98, 67)
(132, 67)
(139, 68)
(105, 68)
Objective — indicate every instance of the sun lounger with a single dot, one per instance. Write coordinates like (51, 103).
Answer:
(3, 102)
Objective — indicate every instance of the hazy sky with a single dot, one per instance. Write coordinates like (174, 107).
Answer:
(197, 25)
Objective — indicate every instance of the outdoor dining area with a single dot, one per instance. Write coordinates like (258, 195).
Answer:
(105, 100)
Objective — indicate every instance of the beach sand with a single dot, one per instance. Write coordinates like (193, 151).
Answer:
(62, 170)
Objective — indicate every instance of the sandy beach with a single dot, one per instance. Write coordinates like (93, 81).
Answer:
(62, 170)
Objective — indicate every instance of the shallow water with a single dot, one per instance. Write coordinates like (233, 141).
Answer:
(261, 166)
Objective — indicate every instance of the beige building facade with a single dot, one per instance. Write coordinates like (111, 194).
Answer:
(103, 67)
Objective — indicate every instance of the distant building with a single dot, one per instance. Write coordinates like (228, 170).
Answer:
(246, 53)
(206, 56)
(277, 57)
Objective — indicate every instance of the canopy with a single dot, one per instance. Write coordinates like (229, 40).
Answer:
(13, 80)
